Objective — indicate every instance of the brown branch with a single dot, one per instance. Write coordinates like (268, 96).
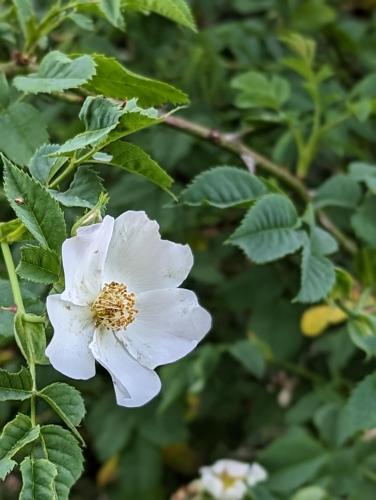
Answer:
(231, 143)
(234, 145)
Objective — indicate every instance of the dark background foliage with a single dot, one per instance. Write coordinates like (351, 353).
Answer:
(257, 388)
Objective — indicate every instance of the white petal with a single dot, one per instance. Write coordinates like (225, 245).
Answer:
(211, 483)
(233, 468)
(138, 257)
(68, 350)
(256, 474)
(168, 325)
(134, 384)
(83, 260)
(235, 492)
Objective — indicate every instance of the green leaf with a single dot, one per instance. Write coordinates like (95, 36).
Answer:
(103, 419)
(362, 332)
(11, 231)
(57, 72)
(364, 172)
(250, 356)
(62, 449)
(6, 466)
(311, 493)
(245, 7)
(256, 91)
(142, 466)
(38, 475)
(133, 119)
(35, 207)
(31, 301)
(4, 91)
(113, 80)
(31, 337)
(112, 10)
(303, 47)
(23, 130)
(359, 413)
(25, 14)
(323, 242)
(176, 10)
(84, 190)
(42, 166)
(133, 159)
(99, 116)
(40, 265)
(223, 187)
(15, 386)
(267, 232)
(363, 221)
(338, 191)
(16, 434)
(311, 15)
(66, 402)
(362, 109)
(318, 276)
(289, 471)
(365, 87)
(82, 21)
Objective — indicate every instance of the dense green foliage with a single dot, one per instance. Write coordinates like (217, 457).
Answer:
(252, 139)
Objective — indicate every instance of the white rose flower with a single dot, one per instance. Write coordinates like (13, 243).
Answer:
(228, 479)
(121, 306)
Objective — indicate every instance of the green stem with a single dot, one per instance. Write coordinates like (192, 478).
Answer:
(13, 277)
(53, 18)
(33, 396)
(299, 370)
(334, 123)
(73, 164)
(309, 149)
(369, 474)
(70, 168)
(9, 264)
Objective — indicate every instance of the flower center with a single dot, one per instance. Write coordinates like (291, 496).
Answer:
(227, 480)
(114, 308)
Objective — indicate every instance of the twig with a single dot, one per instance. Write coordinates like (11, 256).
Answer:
(235, 146)
(231, 143)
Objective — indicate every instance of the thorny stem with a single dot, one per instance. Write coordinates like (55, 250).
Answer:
(234, 145)
(237, 147)
(9, 264)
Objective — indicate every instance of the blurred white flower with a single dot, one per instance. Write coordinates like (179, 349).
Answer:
(121, 306)
(257, 474)
(229, 479)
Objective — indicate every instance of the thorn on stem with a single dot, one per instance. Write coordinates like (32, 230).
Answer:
(12, 309)
(214, 136)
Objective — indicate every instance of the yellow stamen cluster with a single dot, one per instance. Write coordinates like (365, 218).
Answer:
(114, 308)
(227, 480)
